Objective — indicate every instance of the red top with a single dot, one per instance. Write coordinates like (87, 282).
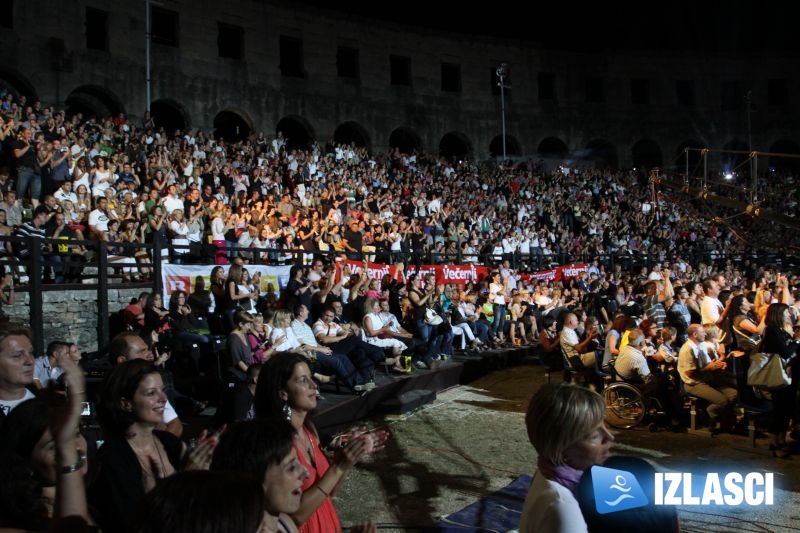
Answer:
(324, 519)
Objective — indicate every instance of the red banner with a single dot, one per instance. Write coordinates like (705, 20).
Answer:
(461, 274)
(564, 272)
(456, 274)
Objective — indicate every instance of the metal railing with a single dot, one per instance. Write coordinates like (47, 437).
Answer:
(49, 254)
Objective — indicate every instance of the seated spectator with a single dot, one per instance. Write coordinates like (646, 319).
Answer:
(17, 366)
(43, 460)
(287, 391)
(46, 368)
(193, 501)
(704, 375)
(259, 339)
(265, 449)
(566, 425)
(358, 378)
(186, 325)
(156, 317)
(127, 346)
(380, 334)
(135, 455)
(574, 350)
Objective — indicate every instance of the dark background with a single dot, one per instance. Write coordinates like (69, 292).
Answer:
(737, 25)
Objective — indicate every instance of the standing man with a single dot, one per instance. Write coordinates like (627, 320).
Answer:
(28, 178)
(59, 166)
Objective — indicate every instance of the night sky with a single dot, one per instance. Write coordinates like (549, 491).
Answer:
(733, 26)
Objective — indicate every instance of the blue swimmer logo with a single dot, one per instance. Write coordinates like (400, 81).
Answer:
(616, 490)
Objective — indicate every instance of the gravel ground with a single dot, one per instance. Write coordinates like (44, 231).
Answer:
(471, 442)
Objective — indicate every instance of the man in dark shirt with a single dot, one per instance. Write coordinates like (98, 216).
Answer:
(352, 241)
(25, 155)
(35, 228)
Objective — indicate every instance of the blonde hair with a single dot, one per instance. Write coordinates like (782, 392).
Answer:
(280, 316)
(712, 332)
(561, 415)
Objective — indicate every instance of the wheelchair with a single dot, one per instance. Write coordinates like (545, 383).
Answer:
(627, 406)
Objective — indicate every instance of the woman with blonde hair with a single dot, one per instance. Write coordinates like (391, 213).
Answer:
(379, 334)
(566, 425)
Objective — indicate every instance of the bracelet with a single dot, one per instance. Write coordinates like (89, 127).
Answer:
(322, 490)
(74, 467)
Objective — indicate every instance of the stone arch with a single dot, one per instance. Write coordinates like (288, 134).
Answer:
(15, 83)
(646, 153)
(170, 115)
(603, 152)
(734, 162)
(695, 157)
(512, 146)
(93, 100)
(553, 147)
(352, 133)
(297, 131)
(784, 164)
(455, 145)
(405, 139)
(232, 125)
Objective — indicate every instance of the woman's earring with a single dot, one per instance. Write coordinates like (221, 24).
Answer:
(287, 411)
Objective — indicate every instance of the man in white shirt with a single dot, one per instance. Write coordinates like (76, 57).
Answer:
(572, 346)
(339, 363)
(711, 309)
(705, 378)
(16, 369)
(172, 201)
(98, 219)
(65, 193)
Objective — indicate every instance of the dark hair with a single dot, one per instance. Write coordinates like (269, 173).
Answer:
(54, 346)
(173, 300)
(736, 305)
(119, 346)
(253, 372)
(121, 384)
(774, 317)
(20, 490)
(253, 446)
(150, 302)
(199, 501)
(273, 379)
(620, 321)
(23, 428)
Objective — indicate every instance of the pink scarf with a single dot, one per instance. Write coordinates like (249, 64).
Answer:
(564, 475)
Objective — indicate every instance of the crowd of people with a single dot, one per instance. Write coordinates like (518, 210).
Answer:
(126, 181)
(114, 180)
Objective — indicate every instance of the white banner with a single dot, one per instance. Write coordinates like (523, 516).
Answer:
(185, 278)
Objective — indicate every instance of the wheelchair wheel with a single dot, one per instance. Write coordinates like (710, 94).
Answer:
(625, 406)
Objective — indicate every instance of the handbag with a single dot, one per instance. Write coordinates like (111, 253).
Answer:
(432, 318)
(768, 370)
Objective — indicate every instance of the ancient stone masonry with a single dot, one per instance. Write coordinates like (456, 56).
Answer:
(320, 75)
(71, 315)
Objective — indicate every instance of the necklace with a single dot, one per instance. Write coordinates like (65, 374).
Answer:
(152, 464)
(308, 445)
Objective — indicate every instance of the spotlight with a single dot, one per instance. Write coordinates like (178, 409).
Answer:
(728, 176)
